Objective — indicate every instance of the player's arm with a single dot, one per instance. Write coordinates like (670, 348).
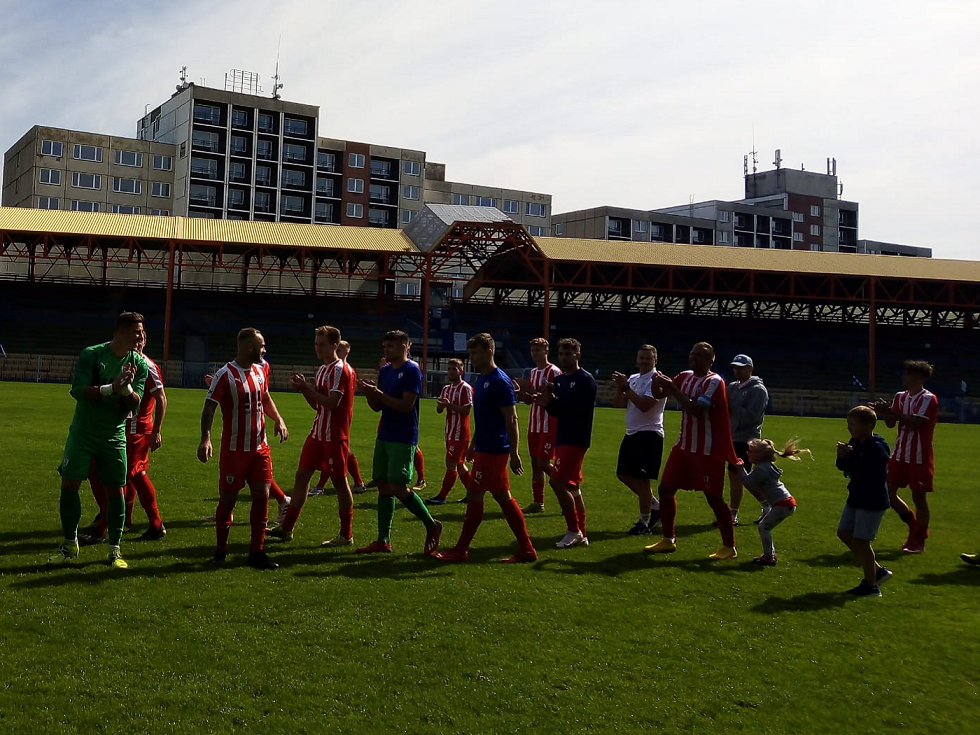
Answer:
(314, 397)
(459, 409)
(204, 450)
(699, 407)
(523, 390)
(272, 411)
(405, 404)
(514, 437)
(159, 411)
(622, 384)
(82, 388)
(371, 392)
(642, 401)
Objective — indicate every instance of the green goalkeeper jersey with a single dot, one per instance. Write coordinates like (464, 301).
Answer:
(104, 419)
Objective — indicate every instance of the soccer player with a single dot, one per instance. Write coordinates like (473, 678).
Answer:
(570, 398)
(747, 401)
(107, 385)
(396, 397)
(455, 400)
(326, 448)
(495, 440)
(241, 389)
(541, 425)
(353, 468)
(697, 460)
(916, 412)
(642, 448)
(142, 437)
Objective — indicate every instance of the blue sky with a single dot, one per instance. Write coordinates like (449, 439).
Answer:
(636, 104)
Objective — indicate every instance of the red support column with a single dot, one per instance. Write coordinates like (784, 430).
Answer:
(166, 319)
(426, 277)
(547, 301)
(872, 321)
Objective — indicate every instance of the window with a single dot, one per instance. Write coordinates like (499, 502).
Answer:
(264, 149)
(183, 148)
(87, 153)
(159, 189)
(292, 204)
(236, 198)
(380, 193)
(486, 202)
(296, 127)
(797, 237)
(407, 216)
(411, 192)
(355, 160)
(533, 209)
(129, 158)
(797, 216)
(723, 237)
(125, 209)
(239, 145)
(294, 152)
(378, 217)
(724, 215)
(559, 228)
(355, 210)
(159, 212)
(537, 231)
(204, 167)
(163, 163)
(326, 161)
(412, 168)
(204, 195)
(80, 206)
(239, 119)
(512, 206)
(263, 175)
(639, 226)
(814, 229)
(50, 176)
(202, 215)
(204, 140)
(463, 199)
(47, 202)
(266, 123)
(323, 212)
(293, 179)
(52, 148)
(208, 114)
(263, 201)
(381, 170)
(324, 187)
(86, 181)
(237, 171)
(127, 186)
(355, 186)
(814, 210)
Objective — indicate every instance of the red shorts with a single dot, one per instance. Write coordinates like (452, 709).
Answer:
(916, 477)
(137, 453)
(541, 445)
(568, 464)
(241, 468)
(489, 473)
(330, 458)
(456, 450)
(689, 471)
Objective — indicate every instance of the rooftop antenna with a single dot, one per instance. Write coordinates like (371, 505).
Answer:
(276, 84)
(183, 79)
(779, 158)
(754, 153)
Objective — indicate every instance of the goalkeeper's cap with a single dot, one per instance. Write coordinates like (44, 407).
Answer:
(742, 361)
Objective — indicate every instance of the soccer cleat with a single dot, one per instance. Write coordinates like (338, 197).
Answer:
(583, 542)
(724, 552)
(734, 522)
(654, 520)
(432, 537)
(220, 558)
(452, 556)
(521, 557)
(283, 507)
(435, 501)
(570, 539)
(316, 491)
(153, 534)
(882, 575)
(280, 533)
(914, 545)
(372, 484)
(765, 560)
(358, 489)
(420, 485)
(534, 508)
(865, 590)
(972, 559)
(663, 546)
(338, 541)
(640, 529)
(463, 499)
(210, 519)
(261, 560)
(92, 539)
(115, 558)
(375, 547)
(64, 553)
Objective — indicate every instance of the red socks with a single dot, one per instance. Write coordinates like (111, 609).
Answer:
(537, 490)
(515, 519)
(292, 515)
(471, 522)
(148, 497)
(447, 483)
(668, 514)
(258, 516)
(723, 513)
(354, 470)
(571, 519)
(580, 520)
(276, 493)
(222, 526)
(419, 463)
(347, 523)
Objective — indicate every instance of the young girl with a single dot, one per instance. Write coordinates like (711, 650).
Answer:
(766, 486)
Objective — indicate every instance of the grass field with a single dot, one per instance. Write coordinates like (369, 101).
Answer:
(603, 639)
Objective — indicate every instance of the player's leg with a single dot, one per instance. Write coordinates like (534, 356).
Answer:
(735, 478)
(920, 498)
(147, 494)
(773, 518)
(354, 470)
(401, 460)
(282, 500)
(95, 532)
(231, 479)
(386, 501)
(418, 462)
(70, 510)
(677, 474)
(345, 498)
(897, 478)
(258, 517)
(449, 479)
(567, 505)
(473, 517)
(857, 529)
(319, 489)
(311, 459)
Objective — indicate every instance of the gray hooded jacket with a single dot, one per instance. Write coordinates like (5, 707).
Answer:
(747, 403)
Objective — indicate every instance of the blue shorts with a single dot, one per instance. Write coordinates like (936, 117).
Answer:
(862, 524)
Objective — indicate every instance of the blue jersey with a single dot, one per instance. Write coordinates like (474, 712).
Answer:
(395, 426)
(574, 406)
(491, 393)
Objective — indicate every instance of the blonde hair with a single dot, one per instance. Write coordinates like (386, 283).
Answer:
(791, 450)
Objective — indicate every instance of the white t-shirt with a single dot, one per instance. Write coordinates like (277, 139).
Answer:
(637, 420)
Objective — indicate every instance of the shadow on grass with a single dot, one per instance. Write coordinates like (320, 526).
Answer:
(386, 567)
(840, 559)
(964, 575)
(808, 602)
(615, 566)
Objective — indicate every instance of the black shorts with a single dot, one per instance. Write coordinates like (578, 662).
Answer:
(742, 452)
(640, 455)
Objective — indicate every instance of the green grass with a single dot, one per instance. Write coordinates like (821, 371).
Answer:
(604, 639)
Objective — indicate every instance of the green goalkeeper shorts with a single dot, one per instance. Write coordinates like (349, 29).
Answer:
(394, 462)
(81, 451)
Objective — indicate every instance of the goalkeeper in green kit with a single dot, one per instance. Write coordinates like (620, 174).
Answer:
(107, 385)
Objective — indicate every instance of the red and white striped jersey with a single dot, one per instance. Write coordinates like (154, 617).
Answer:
(143, 423)
(541, 421)
(337, 377)
(457, 425)
(708, 435)
(241, 392)
(914, 446)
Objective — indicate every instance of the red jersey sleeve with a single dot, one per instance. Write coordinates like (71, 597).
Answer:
(219, 392)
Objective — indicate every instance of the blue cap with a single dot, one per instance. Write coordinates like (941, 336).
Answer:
(742, 361)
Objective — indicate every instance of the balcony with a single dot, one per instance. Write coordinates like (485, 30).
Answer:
(385, 170)
(204, 170)
(207, 115)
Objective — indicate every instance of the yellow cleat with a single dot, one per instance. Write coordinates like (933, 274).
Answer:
(115, 559)
(663, 546)
(725, 552)
(64, 553)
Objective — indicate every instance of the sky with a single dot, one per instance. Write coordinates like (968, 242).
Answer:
(633, 104)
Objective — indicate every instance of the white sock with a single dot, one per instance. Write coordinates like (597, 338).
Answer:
(645, 518)
(655, 505)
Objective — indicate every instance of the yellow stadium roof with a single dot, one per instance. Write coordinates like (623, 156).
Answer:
(780, 261)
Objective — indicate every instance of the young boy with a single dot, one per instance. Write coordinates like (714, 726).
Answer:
(864, 459)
